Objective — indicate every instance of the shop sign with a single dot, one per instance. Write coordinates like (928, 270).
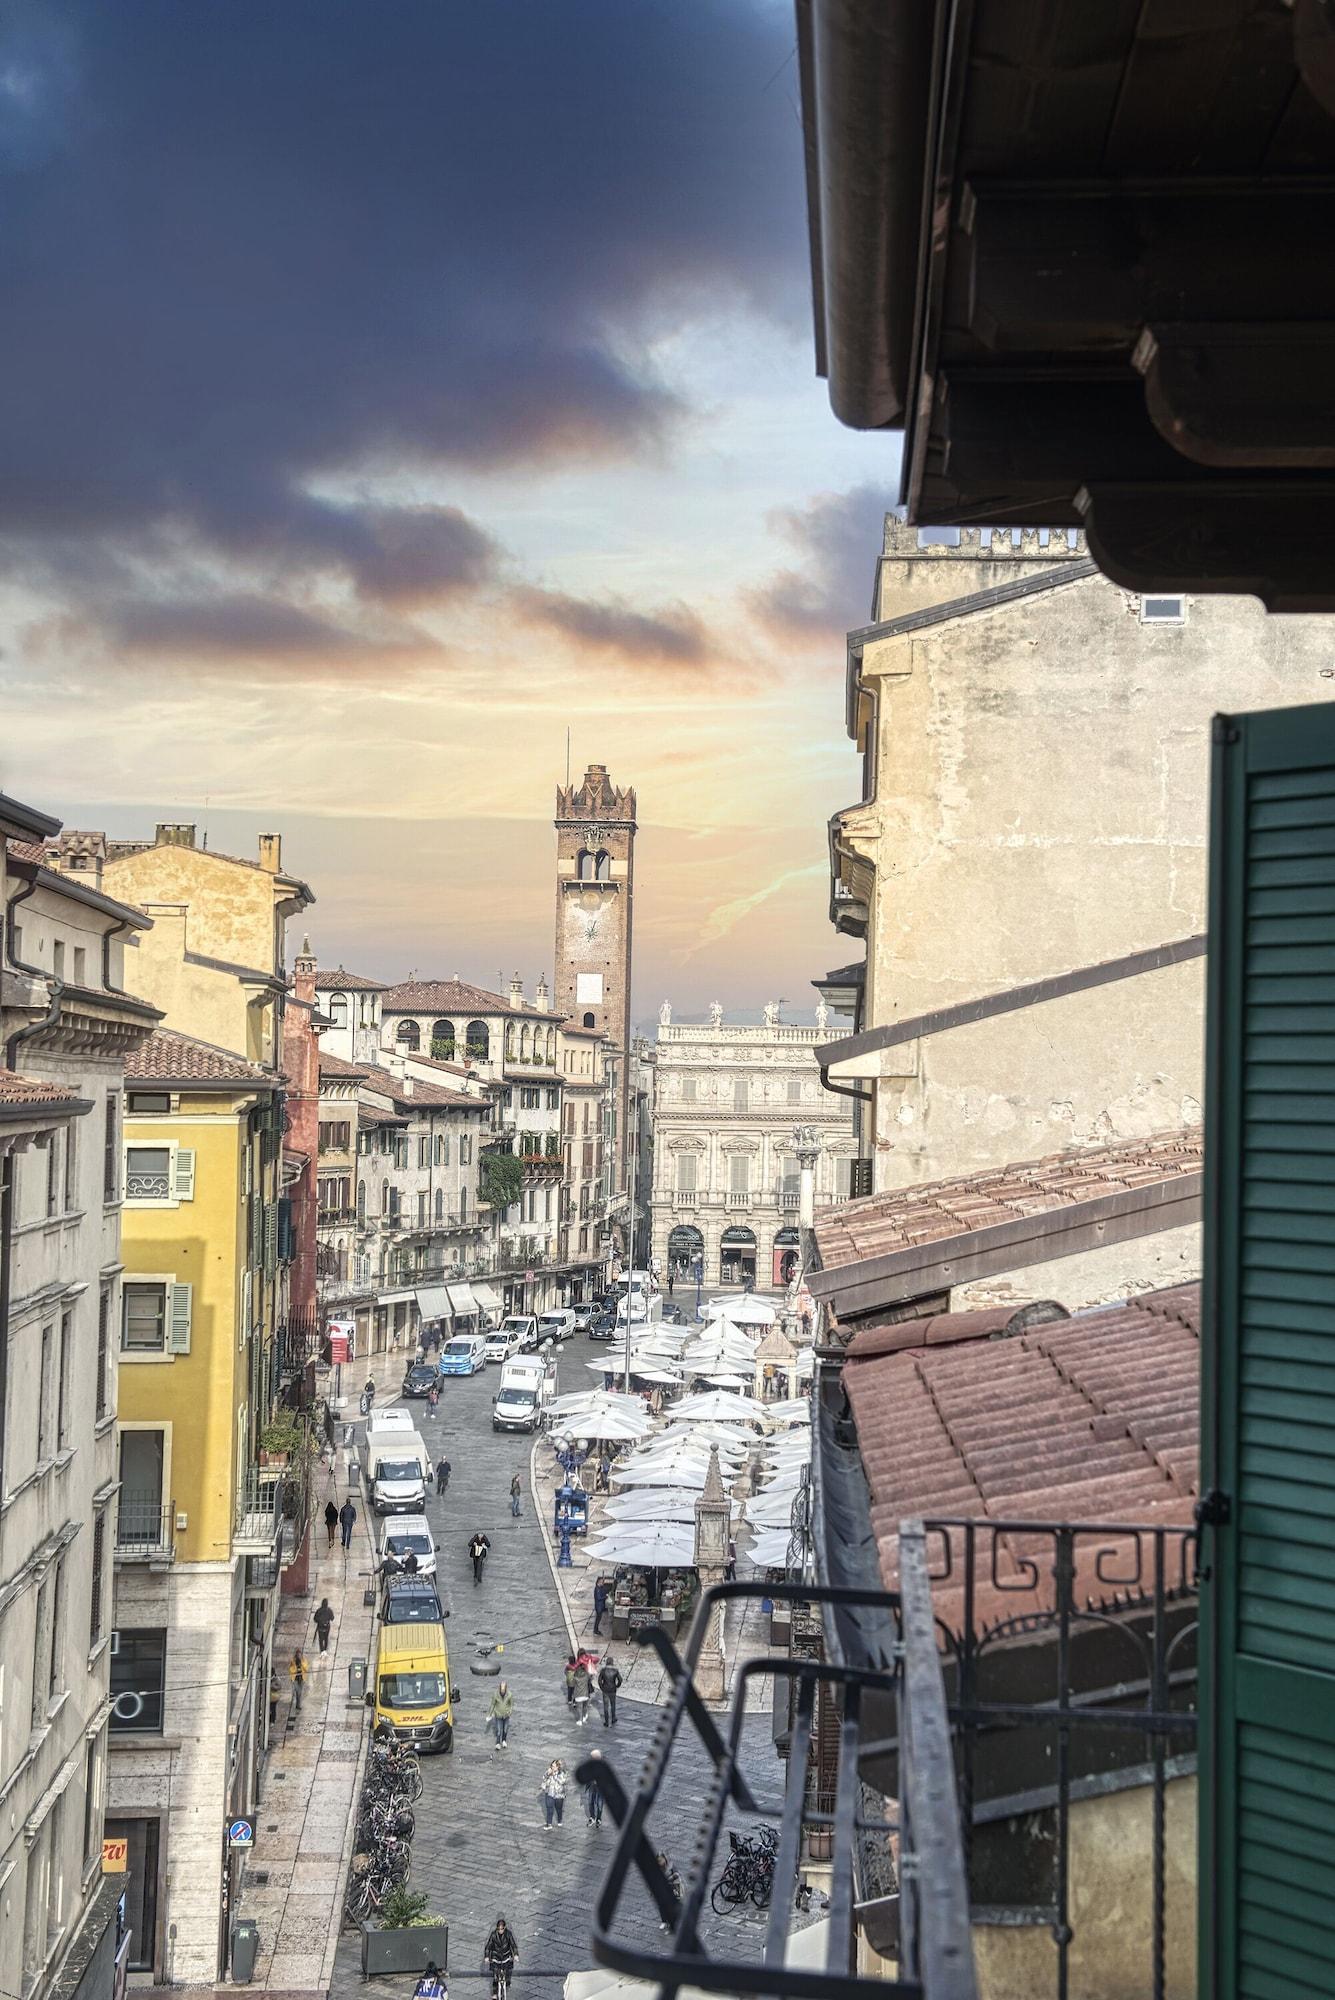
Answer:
(115, 1856)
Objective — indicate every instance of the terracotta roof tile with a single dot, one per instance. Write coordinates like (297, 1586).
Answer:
(27, 850)
(408, 1091)
(331, 1065)
(1092, 1418)
(340, 980)
(453, 996)
(874, 1225)
(168, 1057)
(16, 1089)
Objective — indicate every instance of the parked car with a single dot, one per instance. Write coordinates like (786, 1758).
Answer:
(410, 1531)
(463, 1355)
(410, 1601)
(420, 1379)
(504, 1341)
(556, 1325)
(584, 1317)
(603, 1325)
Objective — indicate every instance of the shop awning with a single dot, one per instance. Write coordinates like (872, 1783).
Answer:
(433, 1301)
(488, 1298)
(395, 1298)
(463, 1300)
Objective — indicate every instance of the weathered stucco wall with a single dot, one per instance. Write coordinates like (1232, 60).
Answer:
(1110, 1908)
(1042, 777)
(1119, 1270)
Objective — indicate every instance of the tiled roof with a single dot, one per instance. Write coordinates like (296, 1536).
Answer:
(16, 1089)
(371, 1114)
(340, 980)
(168, 1057)
(331, 1065)
(434, 1062)
(451, 996)
(27, 850)
(410, 1091)
(876, 1224)
(1092, 1418)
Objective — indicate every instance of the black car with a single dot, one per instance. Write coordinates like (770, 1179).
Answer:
(603, 1326)
(420, 1379)
(411, 1600)
(673, 1315)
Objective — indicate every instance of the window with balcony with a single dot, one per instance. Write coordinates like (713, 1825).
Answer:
(739, 1173)
(408, 1037)
(477, 1042)
(159, 1173)
(138, 1679)
(338, 1009)
(442, 1041)
(686, 1166)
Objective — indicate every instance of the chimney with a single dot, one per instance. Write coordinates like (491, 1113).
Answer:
(174, 833)
(540, 997)
(303, 973)
(516, 990)
(407, 1086)
(271, 852)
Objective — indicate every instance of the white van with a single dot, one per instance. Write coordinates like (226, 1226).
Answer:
(557, 1325)
(410, 1531)
(505, 1341)
(528, 1384)
(381, 1421)
(463, 1355)
(398, 1467)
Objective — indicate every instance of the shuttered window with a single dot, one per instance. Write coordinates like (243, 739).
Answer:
(1267, 1864)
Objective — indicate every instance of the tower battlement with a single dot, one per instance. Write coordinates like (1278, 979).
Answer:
(903, 540)
(594, 798)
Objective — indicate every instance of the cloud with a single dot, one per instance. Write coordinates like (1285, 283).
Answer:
(387, 243)
(725, 917)
(670, 636)
(838, 538)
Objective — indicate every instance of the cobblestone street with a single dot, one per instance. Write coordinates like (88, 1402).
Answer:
(480, 1846)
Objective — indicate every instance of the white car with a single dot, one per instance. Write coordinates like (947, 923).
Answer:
(505, 1341)
(410, 1531)
(557, 1325)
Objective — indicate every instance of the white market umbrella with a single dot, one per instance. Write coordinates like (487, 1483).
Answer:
(746, 1311)
(721, 1406)
(726, 1381)
(681, 1469)
(794, 1412)
(770, 1549)
(653, 1503)
(731, 1443)
(653, 1544)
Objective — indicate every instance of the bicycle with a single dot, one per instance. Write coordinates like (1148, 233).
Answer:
(500, 1978)
(748, 1873)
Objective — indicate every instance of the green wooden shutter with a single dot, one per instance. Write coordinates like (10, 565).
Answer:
(1267, 1764)
(178, 1339)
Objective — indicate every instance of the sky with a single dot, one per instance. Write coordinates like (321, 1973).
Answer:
(393, 389)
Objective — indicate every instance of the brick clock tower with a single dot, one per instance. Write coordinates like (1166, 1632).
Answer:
(595, 872)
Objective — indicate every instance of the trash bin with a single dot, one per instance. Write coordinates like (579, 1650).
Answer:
(356, 1680)
(245, 1950)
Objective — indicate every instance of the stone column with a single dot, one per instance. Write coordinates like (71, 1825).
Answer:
(712, 1518)
(807, 1146)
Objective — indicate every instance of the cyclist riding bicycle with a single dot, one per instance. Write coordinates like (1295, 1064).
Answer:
(499, 1954)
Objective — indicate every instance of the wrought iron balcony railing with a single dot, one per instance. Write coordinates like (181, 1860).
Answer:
(904, 1688)
(145, 1530)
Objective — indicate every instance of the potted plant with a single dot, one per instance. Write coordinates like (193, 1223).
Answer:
(282, 1439)
(407, 1938)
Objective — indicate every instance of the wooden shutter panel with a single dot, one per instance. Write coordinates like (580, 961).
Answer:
(270, 1239)
(1267, 1753)
(183, 1185)
(178, 1335)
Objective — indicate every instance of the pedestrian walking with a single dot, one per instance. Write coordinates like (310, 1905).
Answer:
(323, 1621)
(499, 1710)
(516, 1496)
(599, 1604)
(273, 1697)
(593, 1794)
(347, 1521)
(570, 1666)
(554, 1786)
(410, 1563)
(477, 1554)
(730, 1569)
(583, 1687)
(433, 1397)
(609, 1680)
(674, 1886)
(603, 1480)
(670, 1284)
(296, 1673)
(442, 1474)
(330, 1520)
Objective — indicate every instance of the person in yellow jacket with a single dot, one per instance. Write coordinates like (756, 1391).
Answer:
(296, 1673)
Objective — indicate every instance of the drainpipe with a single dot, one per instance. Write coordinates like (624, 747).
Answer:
(117, 930)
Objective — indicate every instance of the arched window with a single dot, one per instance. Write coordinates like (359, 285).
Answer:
(551, 1046)
(338, 1010)
(477, 1041)
(509, 1041)
(602, 866)
(440, 1204)
(523, 1043)
(408, 1035)
(584, 865)
(588, 1021)
(442, 1040)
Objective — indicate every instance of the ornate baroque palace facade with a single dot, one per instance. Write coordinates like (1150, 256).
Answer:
(726, 1105)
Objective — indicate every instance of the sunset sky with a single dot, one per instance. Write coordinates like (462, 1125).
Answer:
(390, 387)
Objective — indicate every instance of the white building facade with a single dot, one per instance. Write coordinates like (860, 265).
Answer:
(725, 1174)
(67, 1027)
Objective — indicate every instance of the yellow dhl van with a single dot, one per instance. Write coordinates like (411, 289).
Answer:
(412, 1685)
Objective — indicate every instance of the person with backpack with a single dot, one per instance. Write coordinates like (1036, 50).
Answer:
(609, 1680)
(323, 1622)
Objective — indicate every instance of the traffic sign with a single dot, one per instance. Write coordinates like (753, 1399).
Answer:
(241, 1833)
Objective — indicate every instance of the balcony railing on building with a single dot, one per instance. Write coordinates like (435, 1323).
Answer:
(148, 1187)
(145, 1530)
(271, 1508)
(925, 1904)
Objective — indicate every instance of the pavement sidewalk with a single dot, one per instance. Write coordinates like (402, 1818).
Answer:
(294, 1881)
